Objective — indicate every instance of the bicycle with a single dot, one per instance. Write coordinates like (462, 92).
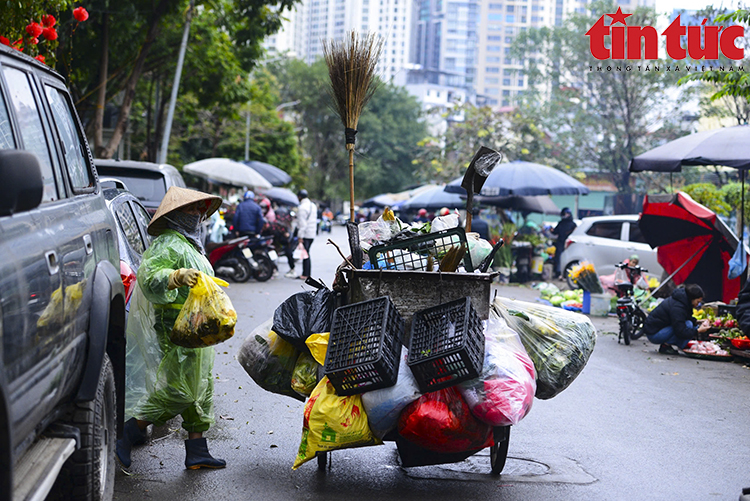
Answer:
(631, 315)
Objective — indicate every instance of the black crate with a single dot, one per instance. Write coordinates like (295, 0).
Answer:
(364, 347)
(446, 346)
(416, 253)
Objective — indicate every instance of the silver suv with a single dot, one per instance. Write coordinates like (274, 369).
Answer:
(606, 241)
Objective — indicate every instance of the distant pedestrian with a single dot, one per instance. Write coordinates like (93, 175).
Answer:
(248, 218)
(479, 225)
(422, 217)
(563, 230)
(307, 222)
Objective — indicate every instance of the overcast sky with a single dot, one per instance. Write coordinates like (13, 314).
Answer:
(670, 5)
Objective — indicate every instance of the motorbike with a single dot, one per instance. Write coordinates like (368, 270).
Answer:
(325, 224)
(242, 258)
(630, 314)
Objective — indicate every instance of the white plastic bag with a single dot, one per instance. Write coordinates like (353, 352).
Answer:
(383, 407)
(444, 222)
(373, 233)
(479, 248)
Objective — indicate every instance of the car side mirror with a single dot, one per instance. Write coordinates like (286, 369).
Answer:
(22, 186)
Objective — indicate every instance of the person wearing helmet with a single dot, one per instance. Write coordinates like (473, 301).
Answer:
(307, 224)
(248, 218)
(422, 217)
(268, 213)
(444, 211)
(164, 380)
(563, 230)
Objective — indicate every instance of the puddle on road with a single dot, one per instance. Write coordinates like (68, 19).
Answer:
(477, 468)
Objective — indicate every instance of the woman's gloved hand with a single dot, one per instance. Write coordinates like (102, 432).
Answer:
(183, 277)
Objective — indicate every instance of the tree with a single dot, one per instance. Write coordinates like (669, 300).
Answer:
(389, 130)
(598, 115)
(710, 196)
(513, 133)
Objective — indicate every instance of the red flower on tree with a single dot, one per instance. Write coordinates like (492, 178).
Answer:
(34, 29)
(49, 34)
(80, 14)
(48, 21)
(4, 41)
(40, 58)
(18, 44)
(33, 41)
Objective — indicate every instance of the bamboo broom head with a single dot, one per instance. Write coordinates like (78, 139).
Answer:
(351, 68)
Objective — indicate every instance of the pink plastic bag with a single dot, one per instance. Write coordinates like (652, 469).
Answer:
(503, 393)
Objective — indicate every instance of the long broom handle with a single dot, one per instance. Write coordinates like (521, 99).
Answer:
(351, 182)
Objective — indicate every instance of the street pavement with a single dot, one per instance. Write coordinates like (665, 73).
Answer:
(635, 425)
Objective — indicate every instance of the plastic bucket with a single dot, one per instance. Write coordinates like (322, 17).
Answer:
(599, 305)
(586, 302)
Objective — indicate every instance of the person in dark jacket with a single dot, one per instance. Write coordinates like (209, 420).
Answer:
(248, 218)
(672, 322)
(563, 230)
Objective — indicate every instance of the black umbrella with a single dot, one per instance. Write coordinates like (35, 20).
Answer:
(274, 175)
(524, 179)
(729, 146)
(540, 204)
(384, 200)
(281, 196)
(435, 198)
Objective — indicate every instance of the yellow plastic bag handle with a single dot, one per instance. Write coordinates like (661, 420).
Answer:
(219, 281)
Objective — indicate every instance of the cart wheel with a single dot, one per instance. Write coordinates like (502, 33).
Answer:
(499, 451)
(322, 460)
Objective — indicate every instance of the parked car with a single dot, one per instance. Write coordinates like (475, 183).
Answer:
(62, 302)
(132, 235)
(147, 181)
(606, 241)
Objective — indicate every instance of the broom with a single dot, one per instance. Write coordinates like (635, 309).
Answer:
(351, 68)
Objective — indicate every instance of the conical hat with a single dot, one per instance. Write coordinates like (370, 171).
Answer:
(177, 198)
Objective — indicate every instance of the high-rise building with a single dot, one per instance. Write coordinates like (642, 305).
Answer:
(319, 20)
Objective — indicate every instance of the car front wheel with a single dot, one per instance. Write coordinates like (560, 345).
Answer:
(89, 474)
(566, 274)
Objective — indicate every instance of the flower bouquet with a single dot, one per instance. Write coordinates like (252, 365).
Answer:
(584, 276)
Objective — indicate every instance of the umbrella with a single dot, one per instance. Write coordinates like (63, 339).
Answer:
(691, 236)
(384, 200)
(542, 204)
(729, 146)
(435, 198)
(525, 179)
(273, 175)
(224, 170)
(283, 196)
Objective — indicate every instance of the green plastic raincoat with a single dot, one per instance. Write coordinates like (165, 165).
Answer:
(162, 378)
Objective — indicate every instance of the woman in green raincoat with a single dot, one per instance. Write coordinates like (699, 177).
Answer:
(163, 379)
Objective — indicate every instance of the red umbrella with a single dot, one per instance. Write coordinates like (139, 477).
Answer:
(691, 236)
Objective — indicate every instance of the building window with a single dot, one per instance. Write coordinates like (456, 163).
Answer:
(492, 91)
(506, 102)
(493, 48)
(506, 81)
(494, 17)
(496, 6)
(510, 18)
(520, 82)
(508, 39)
(494, 38)
(492, 59)
(491, 80)
(510, 8)
(492, 69)
(506, 92)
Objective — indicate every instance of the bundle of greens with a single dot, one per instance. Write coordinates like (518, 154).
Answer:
(559, 342)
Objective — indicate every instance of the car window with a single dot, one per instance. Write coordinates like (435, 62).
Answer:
(147, 186)
(6, 133)
(78, 170)
(130, 228)
(30, 123)
(609, 229)
(635, 234)
(143, 218)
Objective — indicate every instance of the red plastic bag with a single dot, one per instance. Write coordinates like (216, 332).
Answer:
(440, 421)
(503, 393)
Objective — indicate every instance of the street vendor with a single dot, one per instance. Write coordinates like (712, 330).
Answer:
(743, 309)
(163, 379)
(563, 230)
(672, 322)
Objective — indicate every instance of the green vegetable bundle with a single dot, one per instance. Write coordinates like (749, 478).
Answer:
(559, 342)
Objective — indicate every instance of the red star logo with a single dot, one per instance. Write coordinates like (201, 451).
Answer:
(619, 17)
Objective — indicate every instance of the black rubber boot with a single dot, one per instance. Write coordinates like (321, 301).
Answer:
(131, 435)
(198, 456)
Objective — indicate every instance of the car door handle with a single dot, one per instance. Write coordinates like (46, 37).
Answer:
(53, 265)
(87, 243)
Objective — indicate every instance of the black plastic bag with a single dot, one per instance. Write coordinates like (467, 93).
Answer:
(304, 314)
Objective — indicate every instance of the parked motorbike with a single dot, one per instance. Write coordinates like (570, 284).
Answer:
(242, 258)
(631, 315)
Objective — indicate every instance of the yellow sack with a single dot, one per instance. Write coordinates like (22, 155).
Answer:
(207, 317)
(332, 422)
(318, 345)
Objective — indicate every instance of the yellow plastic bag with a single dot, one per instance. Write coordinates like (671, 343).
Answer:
(332, 422)
(207, 317)
(318, 345)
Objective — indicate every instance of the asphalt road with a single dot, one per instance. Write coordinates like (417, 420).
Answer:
(635, 425)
